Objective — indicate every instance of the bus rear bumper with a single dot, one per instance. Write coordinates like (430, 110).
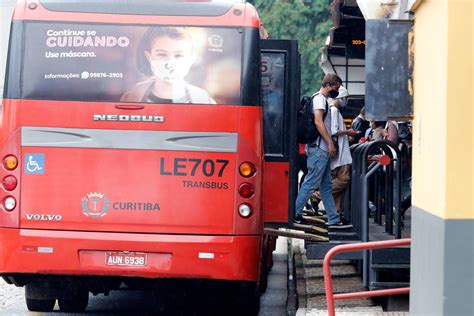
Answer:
(166, 256)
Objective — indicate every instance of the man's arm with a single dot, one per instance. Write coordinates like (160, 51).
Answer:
(334, 120)
(319, 122)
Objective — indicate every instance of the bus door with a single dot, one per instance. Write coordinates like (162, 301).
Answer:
(280, 68)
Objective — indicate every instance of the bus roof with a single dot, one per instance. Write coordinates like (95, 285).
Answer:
(170, 12)
(144, 7)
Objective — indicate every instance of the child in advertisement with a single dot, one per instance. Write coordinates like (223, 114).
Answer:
(166, 54)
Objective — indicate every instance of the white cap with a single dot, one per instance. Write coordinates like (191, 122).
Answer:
(342, 93)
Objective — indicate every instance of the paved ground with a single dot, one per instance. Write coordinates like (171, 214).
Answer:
(274, 300)
(10, 296)
(125, 302)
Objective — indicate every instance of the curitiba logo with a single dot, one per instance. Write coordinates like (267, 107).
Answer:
(95, 205)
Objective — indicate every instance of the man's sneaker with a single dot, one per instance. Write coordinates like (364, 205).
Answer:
(342, 224)
(298, 219)
(321, 213)
(310, 212)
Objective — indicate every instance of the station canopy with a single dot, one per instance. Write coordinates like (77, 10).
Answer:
(344, 50)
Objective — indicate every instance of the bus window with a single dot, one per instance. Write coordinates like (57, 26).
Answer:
(131, 63)
(273, 93)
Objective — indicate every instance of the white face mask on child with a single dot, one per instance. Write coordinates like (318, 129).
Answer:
(171, 70)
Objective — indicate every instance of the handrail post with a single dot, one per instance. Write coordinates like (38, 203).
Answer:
(330, 297)
(365, 222)
(328, 284)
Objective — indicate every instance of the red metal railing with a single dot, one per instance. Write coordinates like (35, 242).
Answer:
(331, 297)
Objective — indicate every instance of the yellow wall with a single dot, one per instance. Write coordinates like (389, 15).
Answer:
(430, 82)
(443, 147)
(459, 184)
(472, 105)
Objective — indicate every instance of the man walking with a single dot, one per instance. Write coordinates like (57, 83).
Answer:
(319, 154)
(341, 164)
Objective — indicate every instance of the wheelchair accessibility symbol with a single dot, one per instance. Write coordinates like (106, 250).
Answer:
(34, 164)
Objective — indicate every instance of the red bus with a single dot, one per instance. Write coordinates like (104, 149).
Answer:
(142, 142)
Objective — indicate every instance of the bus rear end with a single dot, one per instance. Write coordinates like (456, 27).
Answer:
(132, 147)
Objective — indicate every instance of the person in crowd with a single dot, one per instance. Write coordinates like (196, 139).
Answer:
(367, 135)
(359, 124)
(383, 130)
(376, 130)
(390, 132)
(386, 130)
(341, 164)
(405, 134)
(319, 154)
(166, 55)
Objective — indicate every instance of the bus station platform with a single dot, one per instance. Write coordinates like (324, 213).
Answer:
(375, 203)
(296, 286)
(306, 294)
(311, 291)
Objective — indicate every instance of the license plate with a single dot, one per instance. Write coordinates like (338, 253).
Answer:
(129, 259)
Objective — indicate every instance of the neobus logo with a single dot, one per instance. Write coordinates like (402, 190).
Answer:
(129, 118)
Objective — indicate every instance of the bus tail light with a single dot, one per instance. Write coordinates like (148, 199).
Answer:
(9, 203)
(247, 169)
(246, 190)
(9, 183)
(10, 162)
(245, 210)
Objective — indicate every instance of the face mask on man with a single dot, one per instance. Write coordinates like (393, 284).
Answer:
(333, 94)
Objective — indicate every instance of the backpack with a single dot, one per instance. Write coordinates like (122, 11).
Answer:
(306, 132)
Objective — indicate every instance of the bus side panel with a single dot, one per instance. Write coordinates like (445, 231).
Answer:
(275, 188)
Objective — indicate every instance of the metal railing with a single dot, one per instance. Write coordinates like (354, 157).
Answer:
(376, 175)
(368, 160)
(331, 297)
